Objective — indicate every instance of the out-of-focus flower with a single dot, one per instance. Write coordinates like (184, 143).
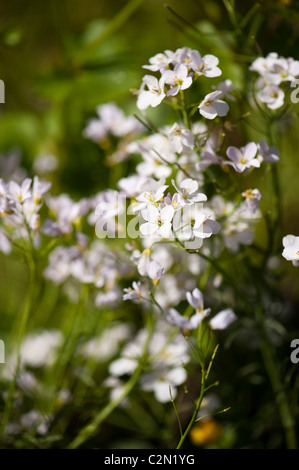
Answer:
(155, 272)
(205, 432)
(195, 299)
(291, 249)
(133, 293)
(223, 319)
(181, 138)
(272, 96)
(269, 154)
(226, 87)
(252, 197)
(185, 324)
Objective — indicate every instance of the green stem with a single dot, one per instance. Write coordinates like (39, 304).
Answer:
(184, 110)
(21, 333)
(197, 407)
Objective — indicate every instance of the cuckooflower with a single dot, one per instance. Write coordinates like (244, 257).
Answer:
(151, 92)
(178, 79)
(133, 294)
(272, 96)
(195, 299)
(212, 106)
(185, 324)
(158, 221)
(206, 65)
(188, 191)
(291, 249)
(269, 154)
(223, 319)
(243, 158)
(252, 197)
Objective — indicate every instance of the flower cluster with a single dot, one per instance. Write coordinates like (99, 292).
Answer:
(178, 70)
(274, 71)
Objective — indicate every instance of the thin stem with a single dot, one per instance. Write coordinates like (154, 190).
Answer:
(184, 110)
(197, 407)
(21, 333)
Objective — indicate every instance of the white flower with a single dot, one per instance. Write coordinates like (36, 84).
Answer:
(132, 185)
(223, 319)
(204, 226)
(154, 192)
(226, 87)
(212, 106)
(188, 191)
(206, 65)
(133, 294)
(252, 197)
(181, 138)
(162, 380)
(155, 272)
(159, 61)
(291, 249)
(158, 221)
(111, 121)
(269, 154)
(39, 349)
(243, 158)
(272, 96)
(177, 78)
(39, 188)
(185, 324)
(151, 92)
(19, 193)
(195, 299)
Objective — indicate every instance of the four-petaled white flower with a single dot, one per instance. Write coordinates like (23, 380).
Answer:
(272, 96)
(151, 92)
(154, 192)
(188, 191)
(243, 158)
(204, 226)
(206, 65)
(291, 249)
(159, 61)
(158, 221)
(181, 138)
(213, 106)
(178, 79)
